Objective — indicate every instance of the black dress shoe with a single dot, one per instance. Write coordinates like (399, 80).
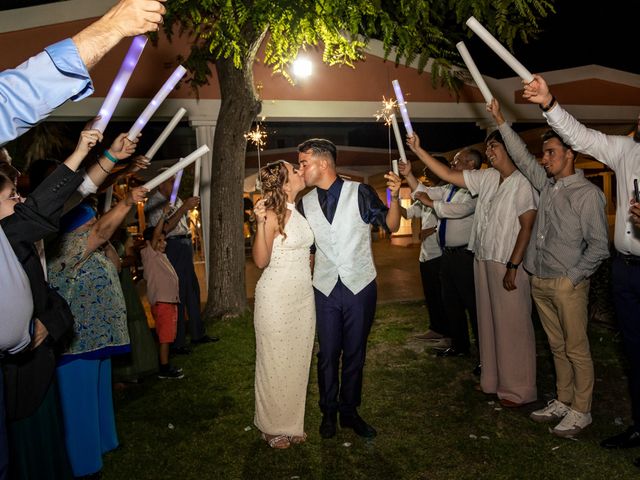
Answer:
(452, 352)
(328, 425)
(628, 439)
(358, 425)
(205, 339)
(180, 351)
(478, 370)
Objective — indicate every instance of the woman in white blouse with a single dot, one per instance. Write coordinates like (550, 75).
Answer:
(505, 213)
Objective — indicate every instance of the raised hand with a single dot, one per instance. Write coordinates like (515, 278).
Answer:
(140, 162)
(192, 202)
(494, 109)
(122, 147)
(537, 91)
(88, 140)
(405, 168)
(136, 195)
(135, 17)
(413, 142)
(393, 183)
(260, 211)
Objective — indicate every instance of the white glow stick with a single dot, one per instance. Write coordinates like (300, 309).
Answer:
(120, 82)
(403, 107)
(176, 187)
(170, 172)
(396, 132)
(475, 73)
(196, 177)
(497, 47)
(108, 198)
(165, 133)
(156, 101)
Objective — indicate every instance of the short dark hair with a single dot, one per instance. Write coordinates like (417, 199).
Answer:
(319, 146)
(495, 135)
(475, 155)
(549, 134)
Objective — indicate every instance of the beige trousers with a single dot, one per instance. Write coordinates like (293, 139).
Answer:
(563, 313)
(507, 341)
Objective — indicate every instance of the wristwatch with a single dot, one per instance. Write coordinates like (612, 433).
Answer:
(512, 266)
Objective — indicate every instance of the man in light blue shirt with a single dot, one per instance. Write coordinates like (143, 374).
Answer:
(31, 91)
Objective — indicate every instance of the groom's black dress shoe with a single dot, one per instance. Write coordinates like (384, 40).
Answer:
(630, 438)
(358, 425)
(328, 425)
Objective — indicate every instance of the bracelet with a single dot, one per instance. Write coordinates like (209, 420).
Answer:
(109, 156)
(550, 106)
(102, 168)
(512, 266)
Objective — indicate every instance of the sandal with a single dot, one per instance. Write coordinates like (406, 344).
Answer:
(297, 440)
(279, 442)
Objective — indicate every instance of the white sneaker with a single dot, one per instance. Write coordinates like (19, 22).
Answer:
(555, 410)
(572, 424)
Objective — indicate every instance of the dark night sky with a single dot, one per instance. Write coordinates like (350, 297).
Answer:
(605, 33)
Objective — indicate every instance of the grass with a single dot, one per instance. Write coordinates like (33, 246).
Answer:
(431, 423)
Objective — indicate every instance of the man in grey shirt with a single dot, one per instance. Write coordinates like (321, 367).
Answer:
(570, 241)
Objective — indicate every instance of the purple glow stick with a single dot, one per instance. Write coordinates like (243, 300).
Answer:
(155, 103)
(119, 84)
(403, 108)
(176, 187)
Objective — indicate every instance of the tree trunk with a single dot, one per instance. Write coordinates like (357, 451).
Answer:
(238, 109)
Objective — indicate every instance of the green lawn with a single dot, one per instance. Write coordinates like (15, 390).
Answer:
(431, 423)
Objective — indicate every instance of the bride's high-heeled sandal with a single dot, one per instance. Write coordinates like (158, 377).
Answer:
(279, 442)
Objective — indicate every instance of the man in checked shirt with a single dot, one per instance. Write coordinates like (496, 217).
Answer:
(569, 241)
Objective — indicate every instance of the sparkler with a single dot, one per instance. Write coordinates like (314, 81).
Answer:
(259, 138)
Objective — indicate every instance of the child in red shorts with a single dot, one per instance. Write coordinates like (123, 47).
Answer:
(163, 294)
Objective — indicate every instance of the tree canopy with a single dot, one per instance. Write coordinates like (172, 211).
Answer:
(426, 30)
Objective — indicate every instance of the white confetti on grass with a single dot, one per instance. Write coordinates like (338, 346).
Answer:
(247, 428)
(170, 426)
(473, 437)
(346, 444)
(484, 437)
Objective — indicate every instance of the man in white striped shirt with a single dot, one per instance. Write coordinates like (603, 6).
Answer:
(622, 155)
(569, 242)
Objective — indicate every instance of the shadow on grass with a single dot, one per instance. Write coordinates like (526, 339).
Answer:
(432, 423)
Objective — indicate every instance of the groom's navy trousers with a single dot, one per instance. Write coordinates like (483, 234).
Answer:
(343, 322)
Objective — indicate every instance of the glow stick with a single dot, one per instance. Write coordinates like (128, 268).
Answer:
(176, 187)
(403, 107)
(170, 172)
(396, 132)
(120, 82)
(475, 73)
(196, 177)
(497, 47)
(156, 101)
(165, 133)
(108, 198)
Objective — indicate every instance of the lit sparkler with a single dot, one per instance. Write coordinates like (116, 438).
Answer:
(388, 107)
(259, 138)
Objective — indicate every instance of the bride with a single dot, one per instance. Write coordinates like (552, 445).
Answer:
(284, 315)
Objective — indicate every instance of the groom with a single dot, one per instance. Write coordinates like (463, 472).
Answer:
(341, 213)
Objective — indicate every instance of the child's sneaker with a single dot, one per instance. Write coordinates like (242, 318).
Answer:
(170, 372)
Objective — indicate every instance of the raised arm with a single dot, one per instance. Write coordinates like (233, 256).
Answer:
(120, 149)
(125, 19)
(517, 149)
(393, 215)
(158, 231)
(266, 230)
(188, 204)
(103, 229)
(407, 173)
(440, 170)
(607, 149)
